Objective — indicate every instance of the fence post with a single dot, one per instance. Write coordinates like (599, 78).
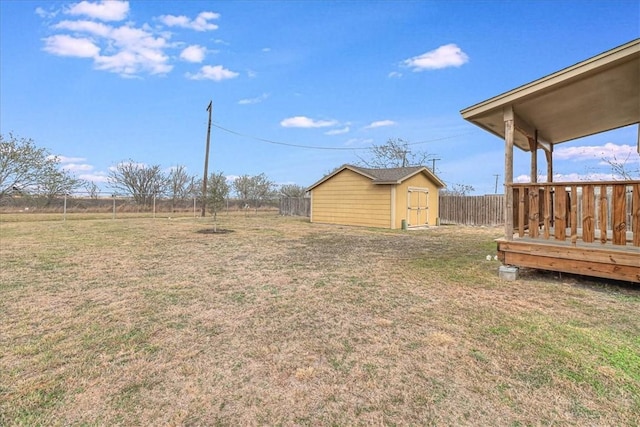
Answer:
(114, 207)
(194, 206)
(154, 206)
(64, 210)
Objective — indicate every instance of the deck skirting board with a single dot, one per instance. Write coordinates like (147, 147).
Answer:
(606, 262)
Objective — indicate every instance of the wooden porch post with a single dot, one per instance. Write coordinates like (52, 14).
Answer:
(533, 145)
(508, 172)
(549, 156)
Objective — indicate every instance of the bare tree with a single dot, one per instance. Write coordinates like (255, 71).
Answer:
(623, 167)
(253, 190)
(242, 188)
(395, 153)
(91, 188)
(25, 168)
(178, 185)
(261, 189)
(292, 190)
(140, 181)
(217, 192)
(459, 190)
(194, 188)
(58, 183)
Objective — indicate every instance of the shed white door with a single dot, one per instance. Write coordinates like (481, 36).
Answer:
(417, 207)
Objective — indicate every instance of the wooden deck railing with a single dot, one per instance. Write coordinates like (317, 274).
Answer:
(589, 211)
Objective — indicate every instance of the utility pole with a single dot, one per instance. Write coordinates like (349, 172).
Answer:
(433, 165)
(496, 175)
(206, 163)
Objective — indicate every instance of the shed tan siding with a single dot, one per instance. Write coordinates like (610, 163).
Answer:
(351, 199)
(421, 181)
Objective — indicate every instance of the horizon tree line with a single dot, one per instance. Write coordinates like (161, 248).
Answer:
(30, 171)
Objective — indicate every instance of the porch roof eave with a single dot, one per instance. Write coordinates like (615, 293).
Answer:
(593, 96)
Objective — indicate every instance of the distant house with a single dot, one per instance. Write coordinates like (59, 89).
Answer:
(382, 198)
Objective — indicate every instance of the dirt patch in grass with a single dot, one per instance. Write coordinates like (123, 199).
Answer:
(153, 322)
(214, 231)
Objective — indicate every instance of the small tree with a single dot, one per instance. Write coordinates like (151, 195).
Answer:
(395, 153)
(138, 180)
(217, 192)
(25, 168)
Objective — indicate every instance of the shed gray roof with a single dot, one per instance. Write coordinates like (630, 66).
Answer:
(388, 175)
(384, 176)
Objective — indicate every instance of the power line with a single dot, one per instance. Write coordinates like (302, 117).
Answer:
(312, 147)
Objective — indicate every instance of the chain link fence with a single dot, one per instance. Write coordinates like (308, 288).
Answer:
(114, 206)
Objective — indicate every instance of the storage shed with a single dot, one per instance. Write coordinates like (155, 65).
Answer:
(383, 198)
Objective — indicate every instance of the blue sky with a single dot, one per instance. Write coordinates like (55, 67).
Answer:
(98, 83)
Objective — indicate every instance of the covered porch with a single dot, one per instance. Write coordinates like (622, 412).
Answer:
(589, 228)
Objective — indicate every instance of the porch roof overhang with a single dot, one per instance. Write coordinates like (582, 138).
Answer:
(596, 95)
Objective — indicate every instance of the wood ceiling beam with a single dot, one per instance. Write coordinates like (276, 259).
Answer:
(530, 132)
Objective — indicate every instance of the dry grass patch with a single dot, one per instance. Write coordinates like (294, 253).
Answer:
(278, 321)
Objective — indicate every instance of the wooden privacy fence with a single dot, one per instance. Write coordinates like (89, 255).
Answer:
(472, 210)
(295, 206)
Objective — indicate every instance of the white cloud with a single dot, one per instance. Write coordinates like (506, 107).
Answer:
(65, 159)
(200, 23)
(380, 123)
(129, 63)
(95, 177)
(64, 45)
(306, 122)
(91, 27)
(266, 49)
(175, 21)
(130, 50)
(74, 164)
(216, 73)
(337, 131)
(45, 14)
(112, 10)
(449, 55)
(394, 74)
(193, 53)
(77, 167)
(256, 100)
(604, 153)
(572, 177)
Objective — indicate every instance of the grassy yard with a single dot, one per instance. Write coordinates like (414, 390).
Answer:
(278, 321)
